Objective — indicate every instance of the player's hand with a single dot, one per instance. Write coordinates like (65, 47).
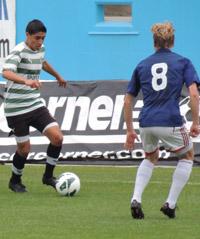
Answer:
(130, 140)
(61, 82)
(194, 130)
(33, 83)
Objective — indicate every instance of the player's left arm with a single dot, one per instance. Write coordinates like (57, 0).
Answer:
(128, 110)
(48, 68)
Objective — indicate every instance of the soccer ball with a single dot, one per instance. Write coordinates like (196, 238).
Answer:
(68, 184)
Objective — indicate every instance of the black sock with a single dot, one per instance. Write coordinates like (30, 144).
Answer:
(18, 163)
(49, 170)
(15, 178)
(53, 152)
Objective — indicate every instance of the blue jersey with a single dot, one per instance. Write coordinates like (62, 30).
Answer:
(161, 77)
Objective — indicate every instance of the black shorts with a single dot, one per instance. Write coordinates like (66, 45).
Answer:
(38, 119)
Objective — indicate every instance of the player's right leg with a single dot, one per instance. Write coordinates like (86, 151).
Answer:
(179, 180)
(180, 143)
(20, 128)
(19, 159)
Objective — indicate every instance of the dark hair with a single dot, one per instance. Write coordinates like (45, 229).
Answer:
(35, 26)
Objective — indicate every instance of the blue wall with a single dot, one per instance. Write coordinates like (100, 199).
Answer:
(80, 47)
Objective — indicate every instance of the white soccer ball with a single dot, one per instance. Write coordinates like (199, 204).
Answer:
(68, 184)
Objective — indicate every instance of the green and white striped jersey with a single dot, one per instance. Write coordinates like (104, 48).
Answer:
(19, 98)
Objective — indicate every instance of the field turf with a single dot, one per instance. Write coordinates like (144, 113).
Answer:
(101, 210)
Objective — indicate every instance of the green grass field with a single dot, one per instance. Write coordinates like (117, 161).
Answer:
(101, 210)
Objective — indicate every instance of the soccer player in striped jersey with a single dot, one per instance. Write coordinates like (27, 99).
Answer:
(24, 107)
(161, 77)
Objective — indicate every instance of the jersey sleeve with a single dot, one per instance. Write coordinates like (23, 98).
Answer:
(190, 74)
(134, 84)
(43, 59)
(12, 61)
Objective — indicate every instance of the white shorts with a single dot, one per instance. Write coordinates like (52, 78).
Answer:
(174, 139)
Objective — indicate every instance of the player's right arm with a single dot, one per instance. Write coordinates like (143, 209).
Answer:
(10, 66)
(194, 105)
(12, 76)
(131, 134)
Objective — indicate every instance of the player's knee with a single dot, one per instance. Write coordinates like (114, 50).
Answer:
(24, 150)
(153, 157)
(57, 140)
(189, 154)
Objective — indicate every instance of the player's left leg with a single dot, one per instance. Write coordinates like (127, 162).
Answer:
(145, 170)
(55, 136)
(47, 125)
(143, 177)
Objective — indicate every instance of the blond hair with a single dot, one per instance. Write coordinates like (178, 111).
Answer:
(163, 35)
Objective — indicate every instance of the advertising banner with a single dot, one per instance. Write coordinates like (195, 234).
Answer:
(90, 115)
(8, 28)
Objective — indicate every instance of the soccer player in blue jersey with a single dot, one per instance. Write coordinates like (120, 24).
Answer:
(24, 107)
(161, 77)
